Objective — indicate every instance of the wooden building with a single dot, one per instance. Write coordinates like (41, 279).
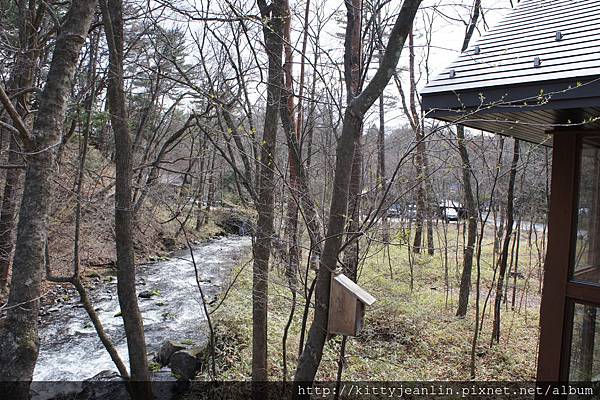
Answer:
(536, 76)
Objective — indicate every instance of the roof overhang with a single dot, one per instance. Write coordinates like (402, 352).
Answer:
(536, 71)
(527, 111)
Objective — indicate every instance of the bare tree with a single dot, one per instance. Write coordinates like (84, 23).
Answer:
(272, 15)
(19, 330)
(353, 118)
(140, 387)
(465, 281)
(502, 263)
(20, 81)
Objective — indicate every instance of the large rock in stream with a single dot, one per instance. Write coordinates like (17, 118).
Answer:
(166, 351)
(237, 225)
(104, 385)
(186, 363)
(109, 385)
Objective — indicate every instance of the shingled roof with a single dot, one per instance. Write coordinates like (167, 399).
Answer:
(536, 71)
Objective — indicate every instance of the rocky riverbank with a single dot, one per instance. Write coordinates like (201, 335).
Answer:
(170, 303)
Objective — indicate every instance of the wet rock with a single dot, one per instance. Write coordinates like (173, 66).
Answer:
(166, 386)
(104, 385)
(169, 243)
(166, 351)
(237, 225)
(106, 375)
(146, 294)
(185, 363)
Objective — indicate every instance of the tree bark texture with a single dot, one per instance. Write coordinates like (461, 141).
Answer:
(353, 117)
(465, 280)
(22, 76)
(506, 242)
(19, 330)
(272, 30)
(140, 388)
(472, 212)
(352, 224)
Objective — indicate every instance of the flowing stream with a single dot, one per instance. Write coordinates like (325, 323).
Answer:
(69, 347)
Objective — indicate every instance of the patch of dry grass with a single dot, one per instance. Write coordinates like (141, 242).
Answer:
(408, 335)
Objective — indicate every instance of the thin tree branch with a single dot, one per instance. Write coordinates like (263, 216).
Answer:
(14, 115)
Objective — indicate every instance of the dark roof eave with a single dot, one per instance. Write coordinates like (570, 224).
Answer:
(556, 94)
(501, 127)
(525, 111)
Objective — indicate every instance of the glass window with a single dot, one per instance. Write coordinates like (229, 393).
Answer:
(585, 344)
(587, 248)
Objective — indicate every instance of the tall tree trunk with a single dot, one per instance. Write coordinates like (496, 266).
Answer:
(272, 30)
(506, 242)
(291, 224)
(307, 203)
(353, 87)
(465, 280)
(19, 330)
(430, 240)
(420, 206)
(420, 150)
(381, 179)
(313, 351)
(22, 76)
(200, 190)
(472, 212)
(7, 214)
(210, 195)
(352, 251)
(140, 387)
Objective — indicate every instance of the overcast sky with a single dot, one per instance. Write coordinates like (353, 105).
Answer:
(444, 19)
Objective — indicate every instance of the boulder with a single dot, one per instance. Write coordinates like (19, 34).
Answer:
(237, 225)
(146, 294)
(169, 243)
(106, 375)
(166, 387)
(104, 385)
(185, 363)
(166, 351)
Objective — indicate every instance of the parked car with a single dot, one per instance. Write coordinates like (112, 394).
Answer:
(450, 214)
(451, 210)
(394, 211)
(410, 212)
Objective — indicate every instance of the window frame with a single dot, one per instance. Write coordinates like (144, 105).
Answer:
(560, 293)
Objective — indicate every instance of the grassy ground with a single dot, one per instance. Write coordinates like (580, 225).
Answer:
(408, 335)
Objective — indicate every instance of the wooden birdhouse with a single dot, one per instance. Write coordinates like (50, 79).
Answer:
(347, 303)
